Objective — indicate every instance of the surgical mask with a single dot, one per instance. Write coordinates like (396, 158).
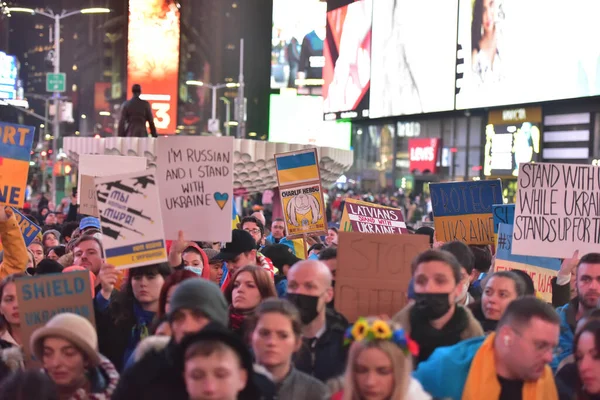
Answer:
(463, 292)
(432, 305)
(196, 270)
(307, 306)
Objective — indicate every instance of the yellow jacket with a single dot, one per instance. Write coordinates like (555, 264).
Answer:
(15, 252)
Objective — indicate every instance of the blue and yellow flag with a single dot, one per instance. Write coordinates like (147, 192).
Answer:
(235, 218)
(299, 167)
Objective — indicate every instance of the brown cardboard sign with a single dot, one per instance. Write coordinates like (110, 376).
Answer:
(42, 297)
(373, 272)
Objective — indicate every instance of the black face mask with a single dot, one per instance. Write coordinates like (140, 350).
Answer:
(432, 305)
(307, 305)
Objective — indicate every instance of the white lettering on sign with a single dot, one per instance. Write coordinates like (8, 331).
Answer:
(518, 114)
(422, 154)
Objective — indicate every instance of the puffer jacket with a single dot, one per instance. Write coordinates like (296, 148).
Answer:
(15, 252)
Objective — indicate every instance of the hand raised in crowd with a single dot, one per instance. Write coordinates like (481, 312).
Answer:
(179, 245)
(569, 265)
(5, 213)
(108, 277)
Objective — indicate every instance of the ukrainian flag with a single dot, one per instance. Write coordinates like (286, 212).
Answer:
(235, 218)
(297, 168)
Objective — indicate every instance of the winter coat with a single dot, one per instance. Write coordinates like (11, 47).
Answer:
(16, 256)
(104, 379)
(135, 112)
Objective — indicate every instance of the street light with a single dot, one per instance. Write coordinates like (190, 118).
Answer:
(214, 89)
(56, 17)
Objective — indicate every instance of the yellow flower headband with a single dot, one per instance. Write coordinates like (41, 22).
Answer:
(380, 330)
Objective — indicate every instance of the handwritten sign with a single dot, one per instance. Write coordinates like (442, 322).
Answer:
(29, 230)
(91, 165)
(463, 210)
(15, 153)
(374, 271)
(360, 216)
(541, 269)
(303, 210)
(132, 230)
(41, 297)
(557, 210)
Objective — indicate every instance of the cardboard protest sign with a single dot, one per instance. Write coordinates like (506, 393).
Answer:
(303, 210)
(15, 153)
(557, 210)
(360, 216)
(374, 271)
(132, 230)
(195, 177)
(42, 297)
(463, 210)
(301, 193)
(29, 230)
(541, 269)
(91, 166)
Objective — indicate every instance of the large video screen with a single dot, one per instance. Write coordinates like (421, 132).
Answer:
(153, 57)
(522, 51)
(414, 56)
(297, 44)
(298, 119)
(347, 71)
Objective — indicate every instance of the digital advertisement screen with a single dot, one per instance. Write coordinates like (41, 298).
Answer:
(298, 119)
(153, 57)
(297, 44)
(347, 71)
(414, 56)
(9, 75)
(523, 51)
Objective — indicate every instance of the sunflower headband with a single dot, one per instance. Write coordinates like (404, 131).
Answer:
(380, 330)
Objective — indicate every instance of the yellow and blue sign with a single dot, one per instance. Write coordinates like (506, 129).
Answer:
(463, 210)
(29, 230)
(541, 269)
(297, 167)
(15, 152)
(503, 214)
(140, 253)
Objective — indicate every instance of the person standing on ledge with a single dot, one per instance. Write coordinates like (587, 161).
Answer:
(135, 112)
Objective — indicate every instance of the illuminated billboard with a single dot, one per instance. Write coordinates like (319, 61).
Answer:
(153, 57)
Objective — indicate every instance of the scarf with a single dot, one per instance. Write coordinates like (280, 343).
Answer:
(237, 319)
(430, 338)
(482, 381)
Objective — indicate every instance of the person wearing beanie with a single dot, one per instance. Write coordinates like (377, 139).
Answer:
(195, 303)
(216, 348)
(46, 266)
(85, 373)
(51, 238)
(216, 265)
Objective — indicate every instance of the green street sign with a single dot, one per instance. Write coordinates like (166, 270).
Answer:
(56, 82)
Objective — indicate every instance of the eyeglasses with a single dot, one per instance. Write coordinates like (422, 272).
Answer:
(540, 346)
(253, 231)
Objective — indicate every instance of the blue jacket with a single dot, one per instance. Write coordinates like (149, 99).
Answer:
(445, 373)
(564, 349)
(283, 240)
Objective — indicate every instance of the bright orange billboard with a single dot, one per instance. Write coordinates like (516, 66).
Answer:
(153, 57)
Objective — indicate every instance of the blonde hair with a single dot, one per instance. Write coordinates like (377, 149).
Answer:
(402, 366)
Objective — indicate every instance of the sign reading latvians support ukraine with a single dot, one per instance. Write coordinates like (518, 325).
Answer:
(360, 216)
(301, 193)
(541, 269)
(15, 153)
(463, 210)
(132, 227)
(557, 210)
(195, 177)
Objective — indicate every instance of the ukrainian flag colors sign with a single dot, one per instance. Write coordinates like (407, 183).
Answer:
(297, 167)
(463, 210)
(15, 152)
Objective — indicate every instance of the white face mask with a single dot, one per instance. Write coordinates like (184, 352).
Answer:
(463, 293)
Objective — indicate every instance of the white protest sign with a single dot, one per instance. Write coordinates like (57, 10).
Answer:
(91, 165)
(195, 179)
(557, 210)
(132, 229)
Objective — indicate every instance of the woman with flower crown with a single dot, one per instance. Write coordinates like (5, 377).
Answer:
(380, 363)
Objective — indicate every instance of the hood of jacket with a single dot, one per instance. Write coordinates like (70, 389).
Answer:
(104, 379)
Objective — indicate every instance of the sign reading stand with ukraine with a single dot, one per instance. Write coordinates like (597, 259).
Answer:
(15, 152)
(131, 220)
(301, 192)
(463, 210)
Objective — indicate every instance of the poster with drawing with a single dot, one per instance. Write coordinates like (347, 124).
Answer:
(303, 210)
(131, 221)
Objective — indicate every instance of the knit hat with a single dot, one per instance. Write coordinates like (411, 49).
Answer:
(46, 266)
(218, 333)
(210, 253)
(73, 328)
(200, 295)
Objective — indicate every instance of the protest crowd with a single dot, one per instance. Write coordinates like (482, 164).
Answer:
(437, 312)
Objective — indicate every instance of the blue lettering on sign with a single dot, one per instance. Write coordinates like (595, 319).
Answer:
(463, 198)
(36, 318)
(54, 288)
(10, 195)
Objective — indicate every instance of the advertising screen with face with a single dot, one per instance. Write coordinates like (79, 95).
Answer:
(525, 51)
(297, 44)
(347, 71)
(414, 55)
